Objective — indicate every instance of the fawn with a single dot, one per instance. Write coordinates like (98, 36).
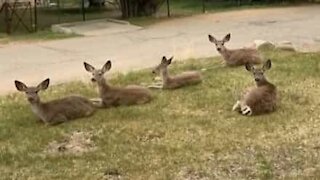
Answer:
(235, 57)
(173, 82)
(261, 99)
(56, 111)
(115, 96)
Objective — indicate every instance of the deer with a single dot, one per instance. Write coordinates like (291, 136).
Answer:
(235, 57)
(56, 111)
(112, 96)
(261, 99)
(174, 82)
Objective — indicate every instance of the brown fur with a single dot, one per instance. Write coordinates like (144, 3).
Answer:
(130, 95)
(236, 57)
(59, 110)
(262, 98)
(116, 96)
(240, 57)
(173, 82)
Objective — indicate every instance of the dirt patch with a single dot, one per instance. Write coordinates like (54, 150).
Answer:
(190, 174)
(112, 174)
(151, 136)
(75, 143)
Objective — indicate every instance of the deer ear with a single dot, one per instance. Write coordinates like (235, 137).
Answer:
(227, 38)
(44, 84)
(169, 60)
(164, 60)
(106, 67)
(20, 86)
(249, 67)
(212, 39)
(267, 65)
(88, 67)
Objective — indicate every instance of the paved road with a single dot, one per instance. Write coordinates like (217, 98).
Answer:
(61, 60)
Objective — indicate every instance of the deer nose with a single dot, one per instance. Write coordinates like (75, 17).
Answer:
(93, 79)
(218, 49)
(153, 72)
(30, 99)
(257, 79)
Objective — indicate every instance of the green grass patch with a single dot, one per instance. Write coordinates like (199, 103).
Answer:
(188, 133)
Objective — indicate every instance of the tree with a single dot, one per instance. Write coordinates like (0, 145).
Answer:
(133, 8)
(96, 3)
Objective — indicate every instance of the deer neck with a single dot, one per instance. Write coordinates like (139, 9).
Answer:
(38, 109)
(103, 86)
(165, 75)
(225, 53)
(263, 82)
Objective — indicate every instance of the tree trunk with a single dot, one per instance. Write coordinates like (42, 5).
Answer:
(96, 3)
(124, 8)
(132, 8)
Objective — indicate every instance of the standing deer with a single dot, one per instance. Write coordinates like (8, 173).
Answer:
(260, 99)
(235, 57)
(56, 111)
(115, 96)
(173, 82)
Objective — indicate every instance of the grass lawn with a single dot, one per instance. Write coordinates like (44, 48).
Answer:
(188, 133)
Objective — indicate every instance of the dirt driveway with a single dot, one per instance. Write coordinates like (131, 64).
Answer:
(141, 48)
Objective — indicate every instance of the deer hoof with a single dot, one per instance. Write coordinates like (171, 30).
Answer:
(246, 110)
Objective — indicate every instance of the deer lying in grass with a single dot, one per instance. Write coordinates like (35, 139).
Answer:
(56, 111)
(261, 99)
(173, 82)
(115, 96)
(235, 57)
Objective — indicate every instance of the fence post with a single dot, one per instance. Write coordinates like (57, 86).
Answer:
(168, 8)
(130, 11)
(59, 11)
(203, 6)
(7, 17)
(83, 11)
(35, 16)
(31, 16)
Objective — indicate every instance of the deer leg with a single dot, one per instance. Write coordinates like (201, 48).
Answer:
(246, 110)
(58, 120)
(97, 102)
(156, 86)
(90, 110)
(143, 100)
(236, 106)
(223, 63)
